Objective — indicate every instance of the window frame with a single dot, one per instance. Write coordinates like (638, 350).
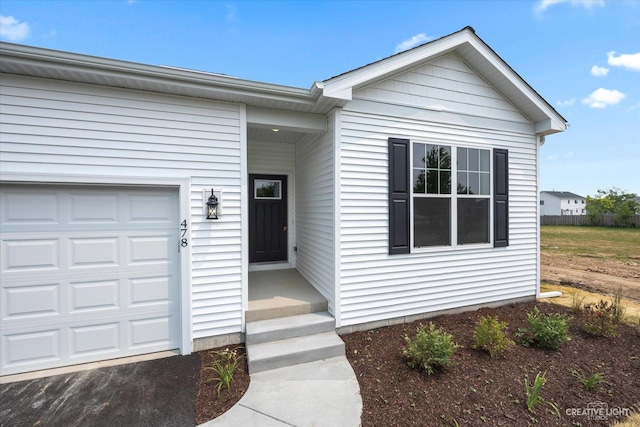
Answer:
(452, 197)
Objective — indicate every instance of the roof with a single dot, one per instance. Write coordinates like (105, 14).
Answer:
(320, 98)
(478, 55)
(563, 194)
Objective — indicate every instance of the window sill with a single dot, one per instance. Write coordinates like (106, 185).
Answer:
(458, 248)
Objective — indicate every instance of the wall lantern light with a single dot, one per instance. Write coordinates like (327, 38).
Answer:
(212, 206)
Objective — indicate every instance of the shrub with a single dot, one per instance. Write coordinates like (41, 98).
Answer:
(490, 335)
(600, 319)
(224, 366)
(546, 331)
(431, 349)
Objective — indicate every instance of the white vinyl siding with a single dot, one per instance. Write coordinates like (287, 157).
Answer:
(54, 127)
(270, 157)
(447, 84)
(377, 286)
(315, 212)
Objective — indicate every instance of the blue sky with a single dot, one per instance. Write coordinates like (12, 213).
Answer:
(582, 56)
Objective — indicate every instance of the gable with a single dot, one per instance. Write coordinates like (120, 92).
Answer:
(445, 84)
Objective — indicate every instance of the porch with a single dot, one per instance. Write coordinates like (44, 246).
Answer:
(281, 293)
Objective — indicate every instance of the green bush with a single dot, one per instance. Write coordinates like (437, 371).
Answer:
(600, 319)
(546, 331)
(490, 335)
(431, 349)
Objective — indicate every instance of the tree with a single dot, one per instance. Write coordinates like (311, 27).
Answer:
(613, 202)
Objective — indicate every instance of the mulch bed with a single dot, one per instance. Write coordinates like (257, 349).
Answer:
(209, 404)
(480, 390)
(477, 390)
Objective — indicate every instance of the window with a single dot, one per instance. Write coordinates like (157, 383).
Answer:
(441, 215)
(267, 189)
(576, 202)
(442, 195)
(541, 202)
(582, 202)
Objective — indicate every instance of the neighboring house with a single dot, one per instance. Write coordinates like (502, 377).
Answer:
(404, 187)
(562, 203)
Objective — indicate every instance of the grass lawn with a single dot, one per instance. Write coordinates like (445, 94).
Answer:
(600, 242)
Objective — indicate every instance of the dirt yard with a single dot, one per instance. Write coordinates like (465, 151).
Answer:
(601, 261)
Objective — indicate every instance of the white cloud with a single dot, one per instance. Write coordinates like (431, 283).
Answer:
(567, 103)
(543, 5)
(599, 71)
(553, 156)
(602, 98)
(12, 29)
(413, 42)
(626, 60)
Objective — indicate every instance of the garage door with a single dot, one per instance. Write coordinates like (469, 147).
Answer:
(87, 273)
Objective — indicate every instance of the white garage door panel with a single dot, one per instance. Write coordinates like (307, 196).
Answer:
(22, 255)
(93, 275)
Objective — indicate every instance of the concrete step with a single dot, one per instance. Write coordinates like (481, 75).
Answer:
(293, 351)
(288, 327)
(277, 307)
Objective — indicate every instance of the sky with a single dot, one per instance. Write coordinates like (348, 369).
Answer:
(582, 56)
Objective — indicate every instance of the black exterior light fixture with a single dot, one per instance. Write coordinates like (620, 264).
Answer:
(212, 206)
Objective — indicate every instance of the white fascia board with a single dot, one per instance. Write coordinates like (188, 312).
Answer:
(549, 126)
(58, 63)
(341, 86)
(286, 120)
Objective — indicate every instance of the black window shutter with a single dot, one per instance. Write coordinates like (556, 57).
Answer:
(398, 196)
(500, 198)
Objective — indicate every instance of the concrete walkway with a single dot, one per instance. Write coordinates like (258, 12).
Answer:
(322, 393)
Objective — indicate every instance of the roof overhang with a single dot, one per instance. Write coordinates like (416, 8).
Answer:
(478, 55)
(320, 98)
(51, 64)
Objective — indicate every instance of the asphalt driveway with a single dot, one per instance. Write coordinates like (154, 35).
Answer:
(153, 393)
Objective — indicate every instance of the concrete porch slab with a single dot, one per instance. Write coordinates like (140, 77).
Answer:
(281, 293)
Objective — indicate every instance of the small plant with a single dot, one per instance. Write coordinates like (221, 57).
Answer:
(600, 319)
(533, 393)
(603, 317)
(618, 309)
(589, 382)
(577, 301)
(546, 331)
(490, 335)
(431, 349)
(224, 366)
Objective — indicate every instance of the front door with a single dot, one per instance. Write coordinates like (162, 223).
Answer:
(267, 218)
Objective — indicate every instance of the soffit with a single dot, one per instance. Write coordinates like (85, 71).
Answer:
(45, 63)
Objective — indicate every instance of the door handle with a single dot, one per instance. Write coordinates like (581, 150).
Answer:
(284, 228)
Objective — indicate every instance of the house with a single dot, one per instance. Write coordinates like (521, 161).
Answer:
(404, 188)
(561, 203)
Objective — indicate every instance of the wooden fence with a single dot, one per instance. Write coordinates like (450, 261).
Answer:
(605, 220)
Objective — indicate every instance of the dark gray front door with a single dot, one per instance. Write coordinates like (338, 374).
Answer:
(268, 226)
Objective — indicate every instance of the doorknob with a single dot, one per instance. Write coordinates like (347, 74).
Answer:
(284, 228)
